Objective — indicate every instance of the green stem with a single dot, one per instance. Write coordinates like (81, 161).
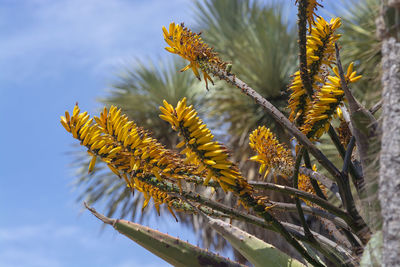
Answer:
(295, 179)
(356, 176)
(289, 207)
(347, 157)
(260, 209)
(304, 195)
(307, 231)
(233, 213)
(314, 183)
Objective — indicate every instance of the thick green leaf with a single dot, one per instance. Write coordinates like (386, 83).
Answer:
(170, 249)
(253, 249)
(372, 255)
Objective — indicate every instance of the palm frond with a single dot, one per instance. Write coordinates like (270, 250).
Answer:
(261, 45)
(360, 44)
(141, 89)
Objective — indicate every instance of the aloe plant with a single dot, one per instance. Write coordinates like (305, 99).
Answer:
(171, 178)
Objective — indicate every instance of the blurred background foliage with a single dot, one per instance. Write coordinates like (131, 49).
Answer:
(261, 43)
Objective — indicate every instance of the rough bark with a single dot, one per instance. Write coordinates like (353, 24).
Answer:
(389, 184)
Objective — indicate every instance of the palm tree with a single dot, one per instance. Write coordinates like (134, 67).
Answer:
(361, 43)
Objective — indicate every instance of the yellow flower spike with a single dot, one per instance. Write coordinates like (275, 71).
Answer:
(320, 52)
(326, 101)
(270, 153)
(201, 147)
(183, 42)
(124, 140)
(127, 150)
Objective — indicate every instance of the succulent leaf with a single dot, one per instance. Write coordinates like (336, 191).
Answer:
(170, 249)
(256, 251)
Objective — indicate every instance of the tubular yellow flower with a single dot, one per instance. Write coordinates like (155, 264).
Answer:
(325, 103)
(306, 186)
(320, 54)
(127, 150)
(272, 155)
(202, 148)
(189, 45)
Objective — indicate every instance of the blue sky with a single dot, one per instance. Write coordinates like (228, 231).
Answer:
(53, 54)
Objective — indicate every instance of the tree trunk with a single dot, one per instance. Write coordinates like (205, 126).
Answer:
(389, 183)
